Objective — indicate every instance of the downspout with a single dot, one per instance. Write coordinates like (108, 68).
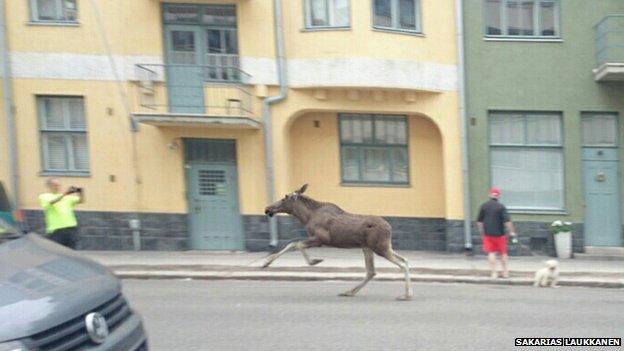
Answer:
(461, 83)
(8, 107)
(266, 115)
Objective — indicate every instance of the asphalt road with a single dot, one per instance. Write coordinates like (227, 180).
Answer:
(271, 315)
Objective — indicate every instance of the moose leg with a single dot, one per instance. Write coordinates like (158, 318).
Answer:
(301, 246)
(369, 260)
(404, 265)
(274, 256)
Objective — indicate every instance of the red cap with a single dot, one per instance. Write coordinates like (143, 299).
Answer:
(495, 191)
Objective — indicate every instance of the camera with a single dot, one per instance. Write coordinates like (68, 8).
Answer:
(75, 189)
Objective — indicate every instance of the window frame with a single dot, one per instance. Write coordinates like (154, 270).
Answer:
(199, 10)
(526, 146)
(504, 21)
(60, 9)
(214, 72)
(67, 132)
(394, 8)
(359, 146)
(307, 16)
(616, 116)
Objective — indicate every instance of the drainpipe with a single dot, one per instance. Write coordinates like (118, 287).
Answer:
(8, 107)
(461, 83)
(266, 115)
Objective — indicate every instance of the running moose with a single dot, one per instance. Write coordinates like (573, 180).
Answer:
(329, 225)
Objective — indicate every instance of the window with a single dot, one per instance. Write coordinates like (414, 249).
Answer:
(522, 18)
(526, 151)
(63, 134)
(209, 38)
(327, 13)
(208, 15)
(401, 15)
(599, 129)
(54, 10)
(373, 149)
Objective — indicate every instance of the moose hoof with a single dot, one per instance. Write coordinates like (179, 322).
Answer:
(315, 261)
(404, 298)
(347, 294)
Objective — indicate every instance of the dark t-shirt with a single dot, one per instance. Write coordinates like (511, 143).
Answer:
(493, 215)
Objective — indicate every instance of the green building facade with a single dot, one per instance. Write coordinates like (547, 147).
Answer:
(545, 102)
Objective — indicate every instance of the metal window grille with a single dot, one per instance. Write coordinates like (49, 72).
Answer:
(212, 182)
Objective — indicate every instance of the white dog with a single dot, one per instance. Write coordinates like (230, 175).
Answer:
(548, 275)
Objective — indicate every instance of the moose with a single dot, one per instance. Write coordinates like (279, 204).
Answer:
(329, 225)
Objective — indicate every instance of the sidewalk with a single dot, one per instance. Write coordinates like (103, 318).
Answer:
(341, 264)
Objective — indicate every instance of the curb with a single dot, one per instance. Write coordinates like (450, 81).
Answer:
(289, 276)
(360, 270)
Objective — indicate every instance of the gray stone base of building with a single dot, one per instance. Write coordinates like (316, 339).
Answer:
(408, 233)
(534, 238)
(111, 230)
(169, 232)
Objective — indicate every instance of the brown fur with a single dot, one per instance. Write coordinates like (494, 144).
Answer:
(328, 225)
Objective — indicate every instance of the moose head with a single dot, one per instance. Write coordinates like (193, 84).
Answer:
(285, 205)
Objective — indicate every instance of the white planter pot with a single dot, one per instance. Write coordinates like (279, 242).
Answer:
(563, 244)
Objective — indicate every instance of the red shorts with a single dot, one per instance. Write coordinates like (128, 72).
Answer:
(495, 244)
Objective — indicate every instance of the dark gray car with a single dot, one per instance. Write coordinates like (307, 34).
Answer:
(53, 298)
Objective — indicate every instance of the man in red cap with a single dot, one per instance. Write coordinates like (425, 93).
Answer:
(493, 220)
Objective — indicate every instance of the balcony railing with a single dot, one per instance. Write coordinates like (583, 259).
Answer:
(191, 90)
(609, 38)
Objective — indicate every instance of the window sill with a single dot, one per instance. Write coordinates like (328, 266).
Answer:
(54, 24)
(600, 146)
(539, 212)
(324, 29)
(376, 185)
(399, 31)
(525, 39)
(65, 174)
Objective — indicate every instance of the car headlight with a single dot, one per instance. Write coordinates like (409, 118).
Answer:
(13, 346)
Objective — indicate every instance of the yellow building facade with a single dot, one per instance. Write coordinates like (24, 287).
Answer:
(155, 109)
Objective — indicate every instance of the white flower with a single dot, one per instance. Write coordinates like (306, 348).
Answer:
(556, 223)
(567, 223)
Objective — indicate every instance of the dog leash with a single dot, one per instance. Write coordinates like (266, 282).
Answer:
(517, 243)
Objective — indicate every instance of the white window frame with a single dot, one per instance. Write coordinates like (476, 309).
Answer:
(504, 21)
(394, 8)
(60, 12)
(592, 114)
(526, 145)
(330, 5)
(66, 131)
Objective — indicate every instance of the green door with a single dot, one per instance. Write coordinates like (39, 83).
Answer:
(215, 221)
(185, 81)
(602, 200)
(601, 179)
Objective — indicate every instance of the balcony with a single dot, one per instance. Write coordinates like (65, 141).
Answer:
(217, 96)
(609, 37)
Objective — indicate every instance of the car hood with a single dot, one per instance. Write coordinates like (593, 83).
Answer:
(43, 284)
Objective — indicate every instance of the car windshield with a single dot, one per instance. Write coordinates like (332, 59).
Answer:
(7, 231)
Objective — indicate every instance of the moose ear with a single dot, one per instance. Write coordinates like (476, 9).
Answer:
(303, 189)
